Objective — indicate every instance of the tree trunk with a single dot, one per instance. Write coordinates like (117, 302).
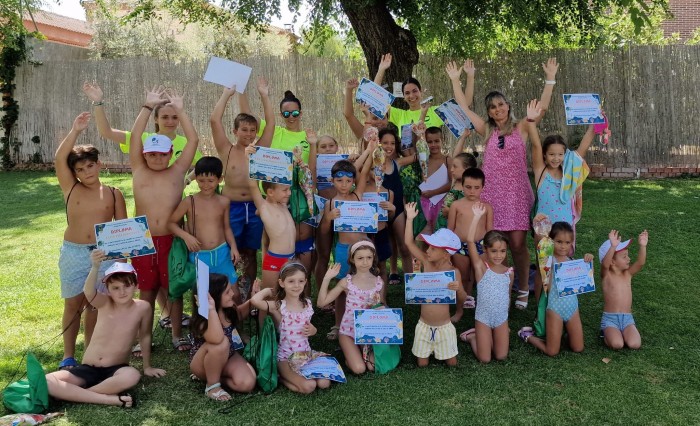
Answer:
(378, 34)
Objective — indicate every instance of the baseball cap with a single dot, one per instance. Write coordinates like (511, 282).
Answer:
(118, 268)
(157, 143)
(444, 239)
(603, 250)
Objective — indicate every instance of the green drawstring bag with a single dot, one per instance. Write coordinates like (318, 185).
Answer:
(386, 358)
(182, 274)
(262, 353)
(298, 204)
(539, 326)
(30, 395)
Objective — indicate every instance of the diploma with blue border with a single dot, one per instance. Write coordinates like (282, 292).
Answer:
(430, 288)
(316, 219)
(406, 137)
(324, 164)
(324, 367)
(375, 97)
(378, 197)
(454, 117)
(574, 277)
(378, 326)
(583, 108)
(271, 165)
(125, 238)
(356, 216)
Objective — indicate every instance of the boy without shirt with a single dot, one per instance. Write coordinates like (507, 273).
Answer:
(105, 372)
(246, 225)
(208, 235)
(435, 333)
(157, 192)
(459, 219)
(88, 203)
(617, 323)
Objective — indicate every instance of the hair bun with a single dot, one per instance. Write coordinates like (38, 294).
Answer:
(289, 95)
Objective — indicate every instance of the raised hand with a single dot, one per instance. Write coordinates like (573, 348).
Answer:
(411, 211)
(81, 122)
(588, 257)
(550, 68)
(93, 91)
(155, 96)
(352, 84)
(332, 272)
(385, 62)
(533, 109)
(212, 304)
(96, 257)
(468, 67)
(229, 91)
(644, 238)
(479, 210)
(311, 137)
(263, 87)
(614, 238)
(453, 71)
(174, 100)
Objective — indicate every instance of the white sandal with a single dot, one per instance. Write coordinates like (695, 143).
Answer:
(520, 304)
(220, 395)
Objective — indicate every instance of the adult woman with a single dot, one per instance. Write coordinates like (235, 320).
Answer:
(507, 186)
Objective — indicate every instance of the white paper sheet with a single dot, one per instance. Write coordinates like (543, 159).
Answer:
(203, 289)
(228, 73)
(435, 181)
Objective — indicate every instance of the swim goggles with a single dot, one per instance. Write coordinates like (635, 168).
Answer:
(342, 174)
(287, 114)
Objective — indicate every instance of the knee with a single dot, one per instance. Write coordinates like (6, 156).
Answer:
(422, 362)
(246, 384)
(323, 384)
(484, 359)
(615, 344)
(635, 344)
(307, 387)
(452, 362)
(221, 347)
(577, 348)
(357, 368)
(132, 376)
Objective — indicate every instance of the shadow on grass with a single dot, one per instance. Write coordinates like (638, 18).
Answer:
(26, 196)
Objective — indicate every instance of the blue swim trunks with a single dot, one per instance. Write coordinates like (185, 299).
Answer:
(74, 266)
(340, 255)
(219, 261)
(464, 250)
(304, 246)
(619, 321)
(247, 227)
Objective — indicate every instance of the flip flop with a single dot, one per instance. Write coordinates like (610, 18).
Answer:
(182, 344)
(525, 333)
(136, 351)
(220, 395)
(124, 402)
(67, 364)
(469, 303)
(394, 279)
(463, 336)
(165, 323)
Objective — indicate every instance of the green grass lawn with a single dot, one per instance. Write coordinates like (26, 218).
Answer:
(659, 384)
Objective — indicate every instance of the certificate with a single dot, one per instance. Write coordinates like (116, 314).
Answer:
(236, 341)
(375, 97)
(430, 288)
(378, 326)
(583, 108)
(203, 289)
(573, 277)
(323, 367)
(373, 197)
(406, 137)
(356, 216)
(454, 117)
(324, 164)
(228, 73)
(316, 220)
(271, 165)
(122, 239)
(435, 181)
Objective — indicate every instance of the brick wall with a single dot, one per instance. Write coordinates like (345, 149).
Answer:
(686, 18)
(601, 171)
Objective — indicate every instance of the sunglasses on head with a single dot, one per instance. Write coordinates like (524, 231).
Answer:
(287, 114)
(501, 142)
(342, 174)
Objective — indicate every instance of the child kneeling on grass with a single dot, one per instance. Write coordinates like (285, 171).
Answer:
(105, 374)
(213, 356)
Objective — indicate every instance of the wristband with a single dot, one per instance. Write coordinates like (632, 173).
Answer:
(147, 107)
(98, 103)
(552, 82)
(530, 120)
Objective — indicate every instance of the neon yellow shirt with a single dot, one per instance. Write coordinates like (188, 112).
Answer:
(178, 145)
(401, 117)
(286, 140)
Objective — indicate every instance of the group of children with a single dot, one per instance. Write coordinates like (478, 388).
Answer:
(227, 226)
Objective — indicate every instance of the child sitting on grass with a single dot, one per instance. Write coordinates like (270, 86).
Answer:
(617, 324)
(105, 374)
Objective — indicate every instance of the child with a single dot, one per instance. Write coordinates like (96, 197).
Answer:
(363, 289)
(245, 224)
(292, 313)
(344, 175)
(437, 163)
(461, 161)
(208, 235)
(459, 218)
(435, 333)
(490, 335)
(277, 221)
(560, 310)
(157, 192)
(213, 356)
(551, 160)
(617, 323)
(88, 203)
(105, 374)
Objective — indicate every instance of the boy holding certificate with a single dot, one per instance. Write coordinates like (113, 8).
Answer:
(458, 220)
(88, 203)
(435, 333)
(157, 192)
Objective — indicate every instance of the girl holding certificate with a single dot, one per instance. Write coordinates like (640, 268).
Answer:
(507, 186)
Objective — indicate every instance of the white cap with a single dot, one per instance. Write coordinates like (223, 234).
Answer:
(444, 239)
(605, 247)
(157, 143)
(118, 268)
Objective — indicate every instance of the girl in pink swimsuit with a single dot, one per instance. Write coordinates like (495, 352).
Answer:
(363, 287)
(507, 186)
